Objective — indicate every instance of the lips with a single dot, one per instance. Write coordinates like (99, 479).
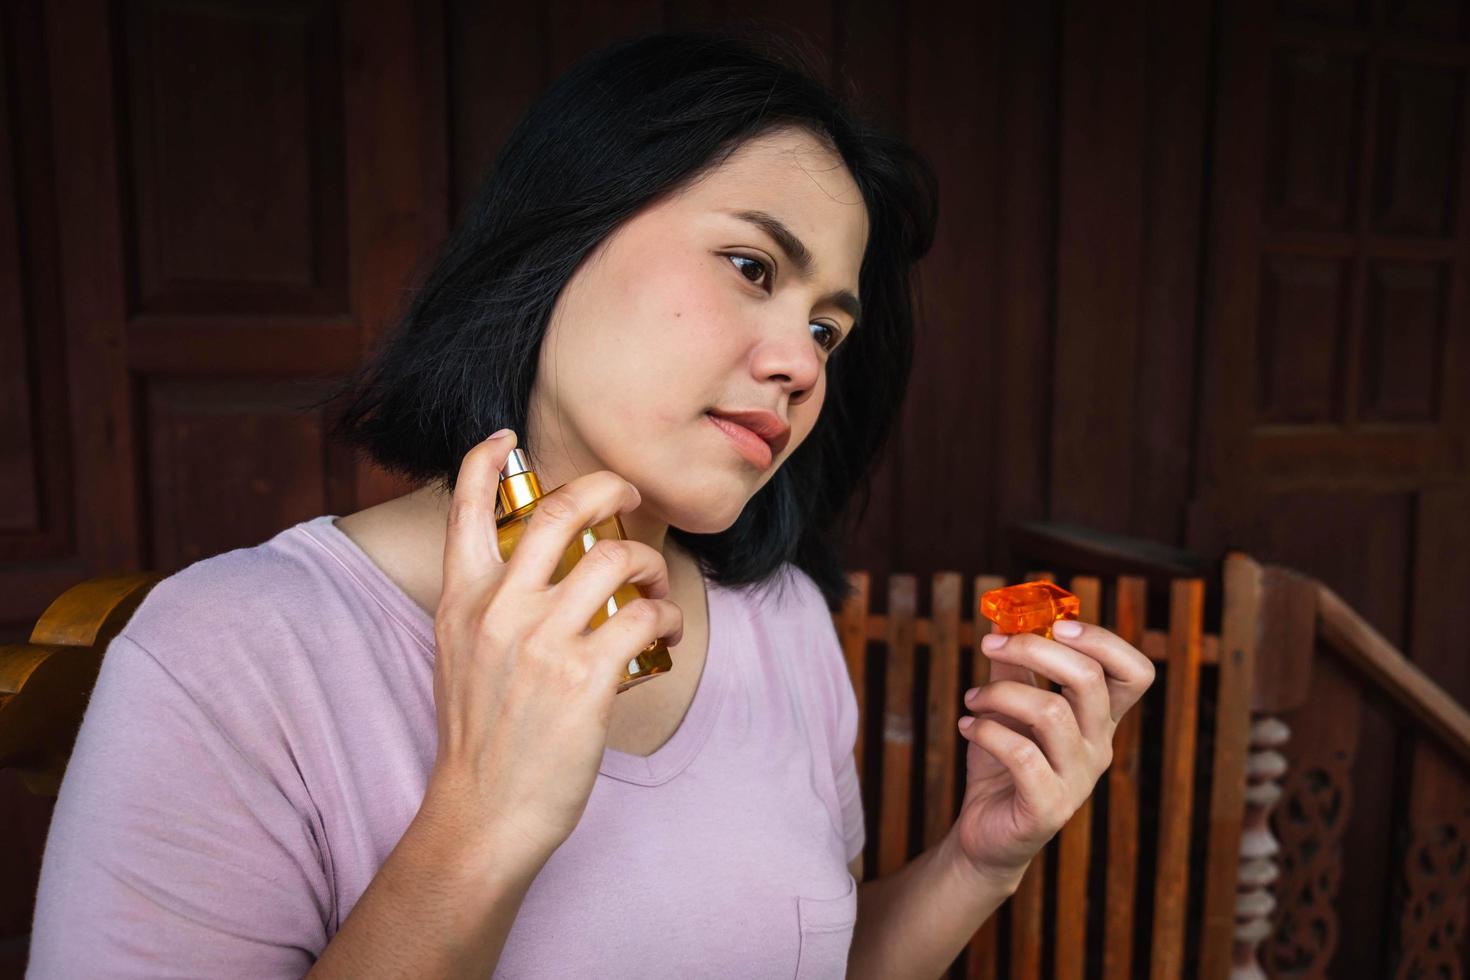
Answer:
(752, 447)
(766, 425)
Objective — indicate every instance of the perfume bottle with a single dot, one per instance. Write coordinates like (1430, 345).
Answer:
(520, 491)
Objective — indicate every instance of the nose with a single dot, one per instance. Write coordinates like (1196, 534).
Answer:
(789, 357)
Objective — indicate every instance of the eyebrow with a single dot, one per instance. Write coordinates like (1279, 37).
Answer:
(801, 258)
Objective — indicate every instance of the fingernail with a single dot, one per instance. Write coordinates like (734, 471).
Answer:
(970, 694)
(994, 641)
(1067, 628)
(499, 434)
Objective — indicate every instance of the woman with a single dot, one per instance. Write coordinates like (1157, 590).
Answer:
(373, 745)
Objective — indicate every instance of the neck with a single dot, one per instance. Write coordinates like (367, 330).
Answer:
(559, 460)
(421, 519)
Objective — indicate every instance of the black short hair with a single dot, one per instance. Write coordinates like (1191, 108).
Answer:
(624, 126)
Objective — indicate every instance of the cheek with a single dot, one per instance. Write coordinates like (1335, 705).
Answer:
(691, 304)
(685, 294)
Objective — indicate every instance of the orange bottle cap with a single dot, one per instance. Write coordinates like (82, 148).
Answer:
(1030, 607)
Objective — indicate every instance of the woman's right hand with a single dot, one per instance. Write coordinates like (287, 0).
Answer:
(522, 690)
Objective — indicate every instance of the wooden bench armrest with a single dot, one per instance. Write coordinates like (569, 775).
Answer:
(45, 684)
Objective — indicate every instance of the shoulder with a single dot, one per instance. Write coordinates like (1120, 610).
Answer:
(221, 653)
(246, 602)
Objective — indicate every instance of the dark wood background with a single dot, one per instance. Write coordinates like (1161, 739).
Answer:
(1201, 277)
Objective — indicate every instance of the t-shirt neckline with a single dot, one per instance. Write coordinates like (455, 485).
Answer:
(666, 762)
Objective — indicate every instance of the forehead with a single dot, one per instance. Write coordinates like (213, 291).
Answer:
(790, 173)
(789, 155)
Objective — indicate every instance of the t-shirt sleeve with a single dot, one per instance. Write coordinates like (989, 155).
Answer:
(170, 851)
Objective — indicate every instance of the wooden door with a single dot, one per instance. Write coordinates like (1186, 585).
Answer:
(1333, 407)
(221, 205)
(209, 211)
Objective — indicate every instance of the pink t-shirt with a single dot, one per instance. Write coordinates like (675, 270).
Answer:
(261, 734)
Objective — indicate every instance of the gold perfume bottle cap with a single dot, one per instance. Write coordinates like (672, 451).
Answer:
(518, 483)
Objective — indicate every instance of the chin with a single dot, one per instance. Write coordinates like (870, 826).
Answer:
(706, 523)
(706, 528)
(706, 516)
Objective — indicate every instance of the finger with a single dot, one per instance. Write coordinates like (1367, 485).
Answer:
(634, 626)
(601, 572)
(1049, 715)
(1002, 671)
(1081, 678)
(1127, 672)
(561, 516)
(471, 545)
(1040, 788)
(1018, 727)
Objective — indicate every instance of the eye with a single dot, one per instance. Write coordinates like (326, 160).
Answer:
(832, 332)
(765, 273)
(763, 280)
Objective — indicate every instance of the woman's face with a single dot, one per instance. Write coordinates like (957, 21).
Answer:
(689, 307)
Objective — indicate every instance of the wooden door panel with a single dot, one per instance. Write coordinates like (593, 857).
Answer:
(233, 156)
(1313, 117)
(238, 447)
(1405, 331)
(1333, 407)
(1414, 180)
(248, 203)
(1338, 310)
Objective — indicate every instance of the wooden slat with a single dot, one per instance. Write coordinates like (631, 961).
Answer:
(852, 631)
(1027, 905)
(1129, 606)
(898, 726)
(945, 703)
(980, 963)
(1181, 709)
(1074, 843)
(1239, 638)
(1155, 646)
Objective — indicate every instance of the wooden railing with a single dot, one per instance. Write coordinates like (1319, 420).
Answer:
(1360, 645)
(955, 663)
(1178, 866)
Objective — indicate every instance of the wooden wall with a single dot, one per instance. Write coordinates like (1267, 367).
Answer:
(1201, 277)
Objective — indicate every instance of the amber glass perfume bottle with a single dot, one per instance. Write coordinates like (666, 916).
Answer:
(520, 491)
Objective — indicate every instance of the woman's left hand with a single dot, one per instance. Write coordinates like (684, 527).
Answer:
(1034, 755)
